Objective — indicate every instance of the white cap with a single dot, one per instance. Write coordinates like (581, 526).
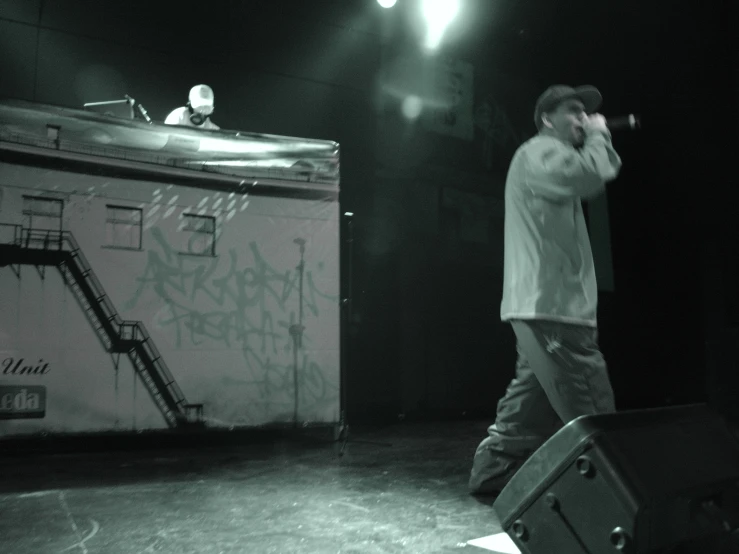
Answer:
(201, 99)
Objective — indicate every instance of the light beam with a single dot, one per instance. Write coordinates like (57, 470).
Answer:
(438, 14)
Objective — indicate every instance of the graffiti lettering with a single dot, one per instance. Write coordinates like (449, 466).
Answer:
(248, 307)
(245, 293)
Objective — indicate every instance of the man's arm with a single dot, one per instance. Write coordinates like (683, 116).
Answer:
(559, 172)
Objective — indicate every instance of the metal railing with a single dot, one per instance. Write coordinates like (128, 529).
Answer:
(10, 234)
(116, 334)
(136, 331)
(98, 293)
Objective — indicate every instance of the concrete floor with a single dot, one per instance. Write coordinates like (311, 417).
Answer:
(289, 493)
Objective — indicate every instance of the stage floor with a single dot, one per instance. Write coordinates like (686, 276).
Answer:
(400, 489)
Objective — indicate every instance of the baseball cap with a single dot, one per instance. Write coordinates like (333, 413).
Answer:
(201, 97)
(556, 94)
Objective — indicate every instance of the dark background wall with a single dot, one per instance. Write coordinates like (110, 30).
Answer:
(425, 340)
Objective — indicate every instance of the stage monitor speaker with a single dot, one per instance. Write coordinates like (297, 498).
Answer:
(643, 481)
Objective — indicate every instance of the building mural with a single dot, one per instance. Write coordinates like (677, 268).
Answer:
(164, 299)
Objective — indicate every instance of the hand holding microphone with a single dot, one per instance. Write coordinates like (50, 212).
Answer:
(631, 122)
(597, 122)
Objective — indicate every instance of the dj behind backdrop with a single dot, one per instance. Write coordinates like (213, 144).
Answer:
(123, 242)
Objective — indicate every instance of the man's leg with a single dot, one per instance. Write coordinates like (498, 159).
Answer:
(524, 420)
(569, 366)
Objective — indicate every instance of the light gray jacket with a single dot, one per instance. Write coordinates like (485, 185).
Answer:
(548, 263)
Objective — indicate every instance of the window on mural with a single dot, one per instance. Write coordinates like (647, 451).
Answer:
(123, 227)
(199, 233)
(42, 213)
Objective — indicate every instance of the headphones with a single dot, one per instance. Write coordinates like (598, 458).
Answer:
(197, 118)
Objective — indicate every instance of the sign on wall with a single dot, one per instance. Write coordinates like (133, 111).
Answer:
(22, 401)
(19, 366)
(451, 112)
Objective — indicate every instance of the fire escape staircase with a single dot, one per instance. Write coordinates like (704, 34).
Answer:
(43, 248)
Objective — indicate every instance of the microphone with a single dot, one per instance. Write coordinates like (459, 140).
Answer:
(142, 110)
(144, 113)
(630, 121)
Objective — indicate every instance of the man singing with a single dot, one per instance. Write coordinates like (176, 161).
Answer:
(549, 288)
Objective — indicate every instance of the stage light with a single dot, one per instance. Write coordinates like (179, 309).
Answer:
(386, 3)
(438, 14)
